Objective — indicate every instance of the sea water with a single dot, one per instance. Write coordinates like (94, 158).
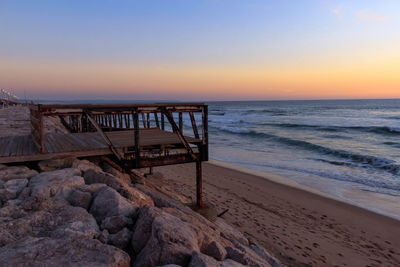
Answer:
(349, 149)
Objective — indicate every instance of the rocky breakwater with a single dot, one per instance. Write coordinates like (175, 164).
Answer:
(73, 212)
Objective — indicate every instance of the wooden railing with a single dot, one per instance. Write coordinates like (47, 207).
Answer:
(37, 131)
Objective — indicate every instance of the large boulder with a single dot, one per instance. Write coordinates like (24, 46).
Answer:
(79, 198)
(172, 241)
(107, 202)
(16, 172)
(215, 250)
(120, 239)
(12, 188)
(230, 233)
(56, 164)
(51, 218)
(124, 177)
(201, 260)
(16, 185)
(44, 251)
(116, 223)
(85, 165)
(58, 183)
(143, 227)
(131, 193)
(246, 256)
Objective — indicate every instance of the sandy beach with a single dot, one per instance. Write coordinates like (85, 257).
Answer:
(300, 227)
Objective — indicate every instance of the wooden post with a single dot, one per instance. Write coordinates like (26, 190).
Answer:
(136, 129)
(194, 126)
(180, 123)
(162, 122)
(143, 120)
(156, 119)
(204, 127)
(199, 185)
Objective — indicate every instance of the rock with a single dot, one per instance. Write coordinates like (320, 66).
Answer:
(2, 166)
(230, 232)
(16, 185)
(143, 227)
(16, 172)
(207, 231)
(124, 177)
(85, 165)
(91, 188)
(133, 194)
(107, 202)
(44, 251)
(171, 242)
(1, 184)
(201, 260)
(6, 195)
(171, 265)
(160, 199)
(55, 164)
(99, 177)
(120, 239)
(54, 218)
(58, 183)
(25, 193)
(80, 199)
(116, 223)
(246, 258)
(215, 250)
(265, 255)
(12, 188)
(103, 237)
(230, 263)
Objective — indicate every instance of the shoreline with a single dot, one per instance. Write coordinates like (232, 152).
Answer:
(299, 227)
(356, 194)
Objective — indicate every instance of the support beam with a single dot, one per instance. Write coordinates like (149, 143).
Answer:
(108, 141)
(170, 118)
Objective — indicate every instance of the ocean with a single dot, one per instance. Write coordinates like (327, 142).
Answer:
(349, 149)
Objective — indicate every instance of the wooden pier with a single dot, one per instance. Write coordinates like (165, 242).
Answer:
(135, 135)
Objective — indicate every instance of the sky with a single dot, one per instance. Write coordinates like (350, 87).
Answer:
(200, 49)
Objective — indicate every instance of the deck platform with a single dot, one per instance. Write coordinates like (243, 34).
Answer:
(133, 135)
(23, 148)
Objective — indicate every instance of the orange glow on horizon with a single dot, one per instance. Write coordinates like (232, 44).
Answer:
(378, 79)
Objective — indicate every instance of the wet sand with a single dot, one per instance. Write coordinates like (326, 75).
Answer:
(299, 227)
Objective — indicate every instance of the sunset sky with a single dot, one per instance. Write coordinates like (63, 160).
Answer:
(200, 49)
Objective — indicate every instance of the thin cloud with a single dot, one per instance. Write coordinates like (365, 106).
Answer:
(338, 11)
(366, 15)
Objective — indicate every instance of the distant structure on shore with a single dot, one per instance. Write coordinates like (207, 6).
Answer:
(7, 98)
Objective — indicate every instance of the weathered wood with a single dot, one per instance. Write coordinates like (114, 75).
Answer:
(156, 119)
(136, 144)
(162, 122)
(194, 125)
(144, 121)
(180, 123)
(181, 137)
(105, 137)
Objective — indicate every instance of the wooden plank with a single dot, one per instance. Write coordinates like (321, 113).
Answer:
(194, 126)
(106, 139)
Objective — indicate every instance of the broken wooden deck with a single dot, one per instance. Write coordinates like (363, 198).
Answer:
(135, 135)
(23, 148)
